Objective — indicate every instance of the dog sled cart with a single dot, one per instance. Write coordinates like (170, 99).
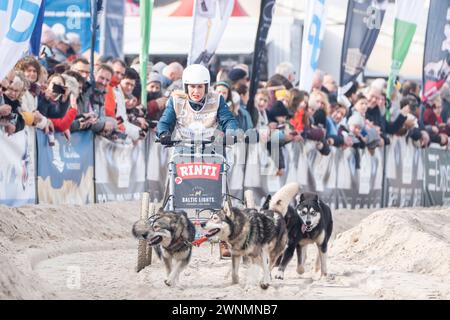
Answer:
(196, 183)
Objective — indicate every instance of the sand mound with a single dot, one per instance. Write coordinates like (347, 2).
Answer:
(32, 233)
(406, 240)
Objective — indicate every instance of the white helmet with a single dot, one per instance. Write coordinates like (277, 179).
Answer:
(196, 74)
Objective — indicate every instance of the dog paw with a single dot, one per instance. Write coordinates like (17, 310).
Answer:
(300, 270)
(279, 275)
(168, 283)
(264, 285)
(330, 277)
(235, 281)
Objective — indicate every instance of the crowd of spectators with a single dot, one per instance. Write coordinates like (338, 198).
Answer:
(54, 93)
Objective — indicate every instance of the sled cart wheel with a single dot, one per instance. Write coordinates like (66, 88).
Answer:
(144, 250)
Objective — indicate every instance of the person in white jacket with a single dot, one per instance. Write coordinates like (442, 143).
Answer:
(32, 71)
(127, 84)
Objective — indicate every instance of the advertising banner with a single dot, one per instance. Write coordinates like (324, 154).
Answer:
(66, 169)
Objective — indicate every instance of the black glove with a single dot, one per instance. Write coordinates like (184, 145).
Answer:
(165, 138)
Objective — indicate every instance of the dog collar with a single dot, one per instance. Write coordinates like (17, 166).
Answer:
(178, 244)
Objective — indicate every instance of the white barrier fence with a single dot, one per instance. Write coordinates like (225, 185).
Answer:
(412, 176)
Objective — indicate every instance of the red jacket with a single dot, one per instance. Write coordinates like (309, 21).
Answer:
(297, 120)
(64, 123)
(153, 111)
(430, 118)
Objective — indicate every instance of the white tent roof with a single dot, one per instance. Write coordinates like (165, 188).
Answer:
(171, 35)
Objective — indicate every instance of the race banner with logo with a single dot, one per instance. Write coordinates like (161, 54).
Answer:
(265, 21)
(437, 176)
(18, 20)
(404, 174)
(437, 48)
(119, 170)
(17, 168)
(210, 19)
(66, 169)
(111, 33)
(313, 33)
(364, 20)
(407, 13)
(70, 16)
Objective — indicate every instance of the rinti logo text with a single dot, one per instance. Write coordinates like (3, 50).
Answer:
(198, 171)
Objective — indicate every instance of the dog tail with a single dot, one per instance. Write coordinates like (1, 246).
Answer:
(281, 199)
(249, 199)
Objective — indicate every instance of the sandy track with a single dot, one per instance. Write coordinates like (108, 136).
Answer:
(96, 260)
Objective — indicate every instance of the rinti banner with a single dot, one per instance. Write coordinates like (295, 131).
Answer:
(198, 185)
(198, 171)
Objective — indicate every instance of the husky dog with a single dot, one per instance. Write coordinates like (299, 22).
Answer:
(260, 236)
(171, 233)
(310, 222)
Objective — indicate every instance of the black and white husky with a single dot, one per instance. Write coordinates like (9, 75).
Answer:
(310, 222)
(260, 236)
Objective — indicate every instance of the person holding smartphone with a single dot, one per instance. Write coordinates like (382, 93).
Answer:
(53, 102)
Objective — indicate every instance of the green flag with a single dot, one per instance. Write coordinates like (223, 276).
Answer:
(407, 13)
(146, 7)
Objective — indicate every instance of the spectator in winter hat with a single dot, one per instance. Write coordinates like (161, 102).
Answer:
(158, 67)
(156, 103)
(279, 113)
(238, 77)
(154, 82)
(355, 125)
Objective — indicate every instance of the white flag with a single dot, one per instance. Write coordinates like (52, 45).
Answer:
(313, 33)
(210, 19)
(18, 18)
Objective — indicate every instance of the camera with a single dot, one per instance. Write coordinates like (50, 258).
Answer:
(58, 89)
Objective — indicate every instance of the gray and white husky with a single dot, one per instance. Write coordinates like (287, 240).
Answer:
(171, 234)
(259, 235)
